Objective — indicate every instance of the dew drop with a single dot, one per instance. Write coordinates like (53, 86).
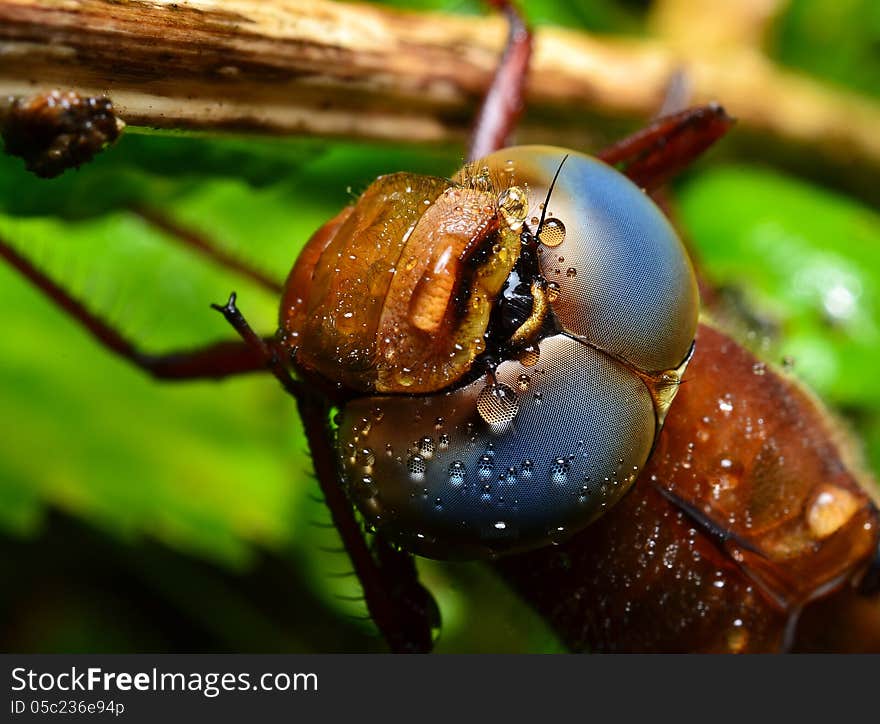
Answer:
(527, 469)
(553, 233)
(366, 487)
(497, 404)
(539, 396)
(552, 292)
(457, 473)
(557, 535)
(571, 272)
(416, 466)
(443, 441)
(559, 471)
(529, 356)
(426, 447)
(485, 467)
(759, 368)
(405, 377)
(365, 457)
(522, 382)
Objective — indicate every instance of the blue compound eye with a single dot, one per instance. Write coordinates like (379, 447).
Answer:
(625, 281)
(535, 452)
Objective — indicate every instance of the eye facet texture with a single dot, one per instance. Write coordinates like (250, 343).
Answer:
(490, 467)
(454, 487)
(626, 282)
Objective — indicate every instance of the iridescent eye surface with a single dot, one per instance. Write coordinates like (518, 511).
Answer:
(534, 452)
(626, 283)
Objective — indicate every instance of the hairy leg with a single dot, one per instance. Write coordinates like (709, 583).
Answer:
(401, 607)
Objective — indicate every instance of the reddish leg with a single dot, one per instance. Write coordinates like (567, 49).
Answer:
(652, 156)
(221, 359)
(401, 607)
(503, 101)
(194, 240)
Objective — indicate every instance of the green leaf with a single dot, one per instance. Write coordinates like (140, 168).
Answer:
(807, 262)
(832, 39)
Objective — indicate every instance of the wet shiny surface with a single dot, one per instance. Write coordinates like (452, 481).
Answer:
(625, 280)
(447, 482)
(533, 455)
(777, 519)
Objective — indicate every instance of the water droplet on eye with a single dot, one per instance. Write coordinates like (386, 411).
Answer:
(759, 368)
(500, 525)
(497, 404)
(443, 441)
(571, 272)
(559, 471)
(365, 457)
(439, 423)
(389, 449)
(485, 467)
(416, 466)
(438, 502)
(457, 473)
(527, 469)
(426, 447)
(552, 292)
(539, 396)
(509, 477)
(522, 382)
(529, 356)
(553, 233)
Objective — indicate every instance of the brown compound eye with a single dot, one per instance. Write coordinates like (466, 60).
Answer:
(582, 351)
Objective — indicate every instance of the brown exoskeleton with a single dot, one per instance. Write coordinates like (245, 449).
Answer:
(743, 515)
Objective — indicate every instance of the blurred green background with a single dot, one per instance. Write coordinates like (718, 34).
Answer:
(136, 516)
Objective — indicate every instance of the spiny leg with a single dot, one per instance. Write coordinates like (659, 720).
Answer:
(403, 609)
(651, 156)
(191, 238)
(503, 102)
(400, 606)
(221, 359)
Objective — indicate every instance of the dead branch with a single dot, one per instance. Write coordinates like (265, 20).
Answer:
(360, 71)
